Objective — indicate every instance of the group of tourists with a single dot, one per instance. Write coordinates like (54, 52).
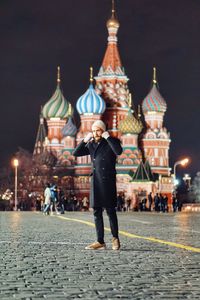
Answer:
(142, 202)
(158, 203)
(55, 200)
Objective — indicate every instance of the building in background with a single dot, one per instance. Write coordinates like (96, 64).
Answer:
(145, 144)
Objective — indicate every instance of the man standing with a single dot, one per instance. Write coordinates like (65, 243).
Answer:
(150, 200)
(103, 150)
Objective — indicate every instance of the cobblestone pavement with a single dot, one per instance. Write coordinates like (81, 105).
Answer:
(43, 257)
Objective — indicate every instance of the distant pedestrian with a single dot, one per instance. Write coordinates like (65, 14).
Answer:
(74, 203)
(85, 203)
(166, 203)
(128, 203)
(157, 202)
(47, 199)
(150, 201)
(175, 203)
(54, 199)
(61, 200)
(162, 203)
(120, 202)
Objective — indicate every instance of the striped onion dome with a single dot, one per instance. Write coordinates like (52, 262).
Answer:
(57, 106)
(69, 129)
(154, 101)
(130, 125)
(90, 102)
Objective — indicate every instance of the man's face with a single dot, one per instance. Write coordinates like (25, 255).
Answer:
(97, 133)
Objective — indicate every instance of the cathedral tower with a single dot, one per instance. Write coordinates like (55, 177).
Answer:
(156, 139)
(55, 111)
(90, 107)
(111, 81)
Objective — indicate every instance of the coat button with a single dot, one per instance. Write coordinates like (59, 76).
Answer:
(103, 168)
(93, 158)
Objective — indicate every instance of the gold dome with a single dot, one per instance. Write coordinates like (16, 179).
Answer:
(130, 125)
(113, 22)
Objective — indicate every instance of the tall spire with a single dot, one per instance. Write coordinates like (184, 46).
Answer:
(111, 81)
(91, 75)
(41, 135)
(154, 76)
(139, 113)
(69, 112)
(113, 22)
(58, 76)
(112, 59)
(113, 8)
(111, 68)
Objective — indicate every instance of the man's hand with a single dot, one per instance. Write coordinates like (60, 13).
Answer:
(88, 137)
(105, 134)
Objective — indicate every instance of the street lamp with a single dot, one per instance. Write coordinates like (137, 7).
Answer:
(15, 164)
(182, 162)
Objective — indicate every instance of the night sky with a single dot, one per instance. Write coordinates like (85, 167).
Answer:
(37, 36)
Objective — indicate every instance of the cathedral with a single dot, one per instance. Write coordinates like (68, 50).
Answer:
(143, 167)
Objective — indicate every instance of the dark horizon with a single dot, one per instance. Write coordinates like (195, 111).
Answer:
(37, 37)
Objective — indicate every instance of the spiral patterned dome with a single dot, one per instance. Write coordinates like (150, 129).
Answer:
(57, 106)
(90, 103)
(69, 129)
(154, 101)
(130, 125)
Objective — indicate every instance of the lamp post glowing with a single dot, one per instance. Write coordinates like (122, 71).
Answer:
(16, 164)
(182, 162)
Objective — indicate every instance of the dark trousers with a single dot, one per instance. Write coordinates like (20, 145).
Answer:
(98, 219)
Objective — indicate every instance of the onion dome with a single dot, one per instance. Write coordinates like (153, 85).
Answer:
(130, 125)
(113, 22)
(90, 102)
(69, 129)
(57, 106)
(154, 102)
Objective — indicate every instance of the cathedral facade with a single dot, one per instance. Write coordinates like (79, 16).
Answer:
(143, 167)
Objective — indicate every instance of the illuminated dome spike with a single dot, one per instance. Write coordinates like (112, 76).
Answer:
(57, 106)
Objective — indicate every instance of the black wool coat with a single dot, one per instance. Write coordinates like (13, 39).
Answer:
(103, 191)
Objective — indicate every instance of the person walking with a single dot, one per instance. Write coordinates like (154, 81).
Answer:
(85, 203)
(47, 199)
(103, 150)
(54, 199)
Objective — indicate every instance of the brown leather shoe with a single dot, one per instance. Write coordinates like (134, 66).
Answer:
(96, 246)
(115, 244)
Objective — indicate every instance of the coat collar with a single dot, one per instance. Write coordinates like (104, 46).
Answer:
(99, 146)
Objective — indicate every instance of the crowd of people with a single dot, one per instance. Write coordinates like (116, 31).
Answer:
(158, 203)
(55, 200)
